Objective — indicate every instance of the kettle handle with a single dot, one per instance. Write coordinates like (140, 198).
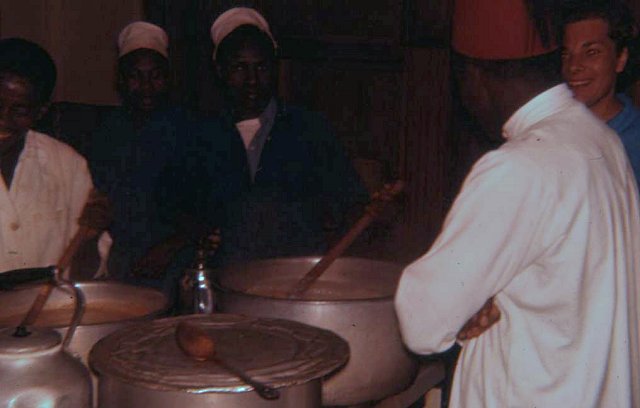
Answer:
(78, 311)
(11, 279)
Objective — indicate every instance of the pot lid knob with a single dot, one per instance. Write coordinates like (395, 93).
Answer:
(39, 339)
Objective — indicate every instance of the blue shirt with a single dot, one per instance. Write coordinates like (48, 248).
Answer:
(127, 164)
(627, 125)
(303, 178)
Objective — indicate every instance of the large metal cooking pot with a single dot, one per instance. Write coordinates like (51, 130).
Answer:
(109, 306)
(143, 366)
(353, 298)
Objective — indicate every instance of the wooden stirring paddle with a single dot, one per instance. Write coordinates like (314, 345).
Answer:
(379, 201)
(80, 236)
(197, 344)
(83, 233)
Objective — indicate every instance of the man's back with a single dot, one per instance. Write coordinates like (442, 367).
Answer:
(545, 225)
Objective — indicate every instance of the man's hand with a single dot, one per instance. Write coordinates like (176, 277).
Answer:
(486, 317)
(381, 198)
(211, 242)
(154, 263)
(96, 214)
(158, 257)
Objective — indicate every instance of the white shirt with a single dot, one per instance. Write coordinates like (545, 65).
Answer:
(39, 213)
(547, 224)
(248, 129)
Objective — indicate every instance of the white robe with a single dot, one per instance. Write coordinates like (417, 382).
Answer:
(39, 213)
(548, 224)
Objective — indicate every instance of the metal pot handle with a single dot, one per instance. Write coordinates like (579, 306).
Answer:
(78, 310)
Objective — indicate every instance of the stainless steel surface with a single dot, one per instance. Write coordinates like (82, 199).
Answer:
(36, 372)
(115, 393)
(143, 366)
(354, 299)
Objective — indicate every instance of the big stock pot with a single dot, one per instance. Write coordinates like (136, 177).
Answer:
(143, 366)
(353, 298)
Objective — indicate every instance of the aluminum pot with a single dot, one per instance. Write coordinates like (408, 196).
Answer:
(109, 306)
(143, 366)
(353, 298)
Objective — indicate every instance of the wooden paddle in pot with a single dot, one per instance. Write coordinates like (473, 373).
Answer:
(84, 233)
(197, 344)
(379, 201)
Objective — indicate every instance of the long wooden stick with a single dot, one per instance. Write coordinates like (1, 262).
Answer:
(338, 249)
(69, 253)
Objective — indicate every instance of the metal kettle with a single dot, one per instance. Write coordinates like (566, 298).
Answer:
(35, 368)
(196, 293)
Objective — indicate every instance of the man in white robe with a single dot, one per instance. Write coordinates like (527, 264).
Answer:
(546, 226)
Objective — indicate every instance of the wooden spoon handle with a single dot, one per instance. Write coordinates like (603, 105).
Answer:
(197, 344)
(263, 390)
(65, 260)
(338, 249)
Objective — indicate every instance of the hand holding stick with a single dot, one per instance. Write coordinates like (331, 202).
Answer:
(95, 218)
(379, 200)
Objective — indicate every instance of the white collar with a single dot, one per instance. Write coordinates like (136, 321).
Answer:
(538, 108)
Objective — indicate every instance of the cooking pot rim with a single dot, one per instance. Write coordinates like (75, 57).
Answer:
(231, 291)
(224, 289)
(84, 284)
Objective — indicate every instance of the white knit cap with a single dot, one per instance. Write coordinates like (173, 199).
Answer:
(234, 18)
(141, 34)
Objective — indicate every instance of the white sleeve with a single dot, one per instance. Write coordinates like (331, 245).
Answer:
(485, 240)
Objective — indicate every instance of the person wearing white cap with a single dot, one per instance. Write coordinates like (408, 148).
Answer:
(544, 236)
(143, 69)
(131, 148)
(275, 173)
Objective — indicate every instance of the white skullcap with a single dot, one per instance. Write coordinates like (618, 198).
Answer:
(234, 18)
(141, 34)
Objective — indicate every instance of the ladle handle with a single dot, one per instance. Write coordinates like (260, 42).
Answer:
(197, 344)
(310, 277)
(263, 390)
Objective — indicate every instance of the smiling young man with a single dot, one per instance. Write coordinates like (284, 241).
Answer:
(45, 183)
(596, 50)
(271, 175)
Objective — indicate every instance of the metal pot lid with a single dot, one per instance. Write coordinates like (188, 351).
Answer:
(277, 352)
(39, 340)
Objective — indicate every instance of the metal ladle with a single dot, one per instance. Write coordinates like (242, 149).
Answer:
(197, 344)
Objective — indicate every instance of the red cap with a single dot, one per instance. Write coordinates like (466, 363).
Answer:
(495, 29)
